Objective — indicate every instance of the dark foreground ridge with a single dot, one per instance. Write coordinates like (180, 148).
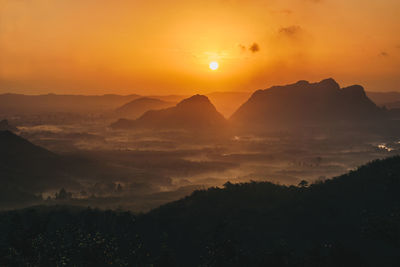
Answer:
(351, 220)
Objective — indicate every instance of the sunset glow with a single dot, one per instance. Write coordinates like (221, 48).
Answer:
(123, 47)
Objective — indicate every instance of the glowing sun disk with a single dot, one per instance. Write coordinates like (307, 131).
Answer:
(214, 65)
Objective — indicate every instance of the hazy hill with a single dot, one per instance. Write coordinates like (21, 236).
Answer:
(307, 103)
(32, 169)
(196, 112)
(351, 220)
(137, 107)
(17, 103)
(170, 98)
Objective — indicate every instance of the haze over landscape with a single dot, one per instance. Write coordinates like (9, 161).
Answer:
(199, 133)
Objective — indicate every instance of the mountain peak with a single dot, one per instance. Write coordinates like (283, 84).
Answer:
(138, 107)
(195, 112)
(330, 83)
(302, 83)
(354, 91)
(16, 145)
(195, 100)
(305, 102)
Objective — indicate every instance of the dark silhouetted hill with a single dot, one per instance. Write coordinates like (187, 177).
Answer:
(139, 106)
(24, 168)
(13, 146)
(32, 169)
(196, 112)
(351, 220)
(306, 103)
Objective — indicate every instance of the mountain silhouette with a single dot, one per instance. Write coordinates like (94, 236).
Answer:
(25, 167)
(303, 103)
(138, 107)
(196, 112)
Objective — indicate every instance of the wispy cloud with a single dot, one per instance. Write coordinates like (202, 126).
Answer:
(290, 31)
(383, 54)
(253, 48)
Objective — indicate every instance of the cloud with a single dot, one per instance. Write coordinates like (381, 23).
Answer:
(282, 11)
(242, 47)
(254, 48)
(286, 11)
(290, 31)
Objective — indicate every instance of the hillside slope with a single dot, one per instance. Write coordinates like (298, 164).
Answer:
(351, 220)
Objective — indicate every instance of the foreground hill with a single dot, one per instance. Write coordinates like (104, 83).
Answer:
(137, 107)
(306, 103)
(351, 220)
(196, 112)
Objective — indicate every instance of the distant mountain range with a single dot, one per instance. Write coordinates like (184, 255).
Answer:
(289, 106)
(307, 103)
(296, 104)
(20, 104)
(138, 107)
(226, 102)
(194, 113)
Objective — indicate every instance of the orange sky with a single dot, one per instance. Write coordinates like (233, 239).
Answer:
(164, 47)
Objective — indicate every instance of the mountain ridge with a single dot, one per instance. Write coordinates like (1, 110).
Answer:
(304, 102)
(138, 107)
(195, 112)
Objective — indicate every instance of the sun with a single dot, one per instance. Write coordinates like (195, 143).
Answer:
(214, 65)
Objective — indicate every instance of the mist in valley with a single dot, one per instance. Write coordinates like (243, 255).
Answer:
(139, 168)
